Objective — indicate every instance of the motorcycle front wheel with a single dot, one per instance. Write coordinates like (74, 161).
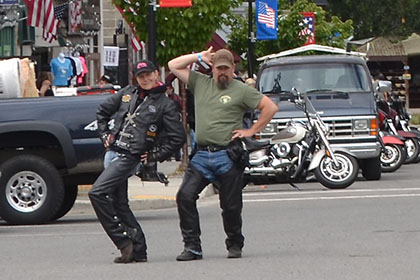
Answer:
(337, 176)
(392, 157)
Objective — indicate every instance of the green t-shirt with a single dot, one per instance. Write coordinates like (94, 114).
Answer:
(219, 112)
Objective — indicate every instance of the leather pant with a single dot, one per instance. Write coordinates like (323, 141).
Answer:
(230, 186)
(109, 199)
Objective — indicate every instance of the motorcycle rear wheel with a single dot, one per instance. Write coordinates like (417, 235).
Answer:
(337, 176)
(392, 158)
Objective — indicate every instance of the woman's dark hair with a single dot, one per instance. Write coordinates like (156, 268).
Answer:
(42, 77)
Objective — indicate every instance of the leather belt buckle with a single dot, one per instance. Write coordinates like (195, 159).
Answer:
(211, 148)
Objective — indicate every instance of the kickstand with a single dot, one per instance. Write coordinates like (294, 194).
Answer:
(294, 186)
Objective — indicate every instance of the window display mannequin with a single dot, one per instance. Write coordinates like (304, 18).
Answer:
(62, 70)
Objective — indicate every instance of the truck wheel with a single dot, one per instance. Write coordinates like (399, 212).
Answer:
(371, 168)
(338, 176)
(31, 190)
(70, 195)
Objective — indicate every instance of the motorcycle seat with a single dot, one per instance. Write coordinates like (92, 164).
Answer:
(253, 145)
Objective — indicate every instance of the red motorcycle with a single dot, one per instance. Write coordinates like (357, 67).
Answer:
(387, 124)
(393, 153)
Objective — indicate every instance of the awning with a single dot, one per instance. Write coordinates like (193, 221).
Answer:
(412, 44)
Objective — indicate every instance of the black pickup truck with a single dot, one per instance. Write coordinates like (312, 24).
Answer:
(48, 146)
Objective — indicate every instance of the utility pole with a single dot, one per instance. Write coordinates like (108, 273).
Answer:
(151, 46)
(251, 40)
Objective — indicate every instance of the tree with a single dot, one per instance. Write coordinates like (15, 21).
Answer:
(179, 30)
(331, 33)
(379, 17)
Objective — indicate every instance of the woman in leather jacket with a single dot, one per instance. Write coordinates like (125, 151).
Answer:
(140, 114)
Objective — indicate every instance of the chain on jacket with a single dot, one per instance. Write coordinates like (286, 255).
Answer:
(137, 127)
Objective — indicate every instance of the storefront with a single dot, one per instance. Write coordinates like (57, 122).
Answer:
(399, 62)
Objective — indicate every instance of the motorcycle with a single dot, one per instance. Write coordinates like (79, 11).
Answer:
(402, 119)
(388, 117)
(299, 149)
(393, 153)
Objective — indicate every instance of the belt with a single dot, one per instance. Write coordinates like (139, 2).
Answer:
(211, 148)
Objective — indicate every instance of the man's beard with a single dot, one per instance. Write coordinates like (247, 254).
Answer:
(222, 83)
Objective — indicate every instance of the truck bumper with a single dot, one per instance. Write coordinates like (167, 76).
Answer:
(361, 150)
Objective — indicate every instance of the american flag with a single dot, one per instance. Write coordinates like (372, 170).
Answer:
(41, 13)
(308, 30)
(266, 15)
(58, 13)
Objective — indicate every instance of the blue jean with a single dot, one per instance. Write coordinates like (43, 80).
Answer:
(211, 164)
(192, 138)
(111, 156)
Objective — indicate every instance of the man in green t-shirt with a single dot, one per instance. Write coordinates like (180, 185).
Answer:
(220, 103)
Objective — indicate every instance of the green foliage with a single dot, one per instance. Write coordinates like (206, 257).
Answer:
(330, 33)
(374, 18)
(179, 30)
(415, 119)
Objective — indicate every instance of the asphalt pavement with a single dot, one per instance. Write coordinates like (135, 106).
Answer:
(145, 195)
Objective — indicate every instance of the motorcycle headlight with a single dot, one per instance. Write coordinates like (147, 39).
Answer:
(360, 124)
(270, 128)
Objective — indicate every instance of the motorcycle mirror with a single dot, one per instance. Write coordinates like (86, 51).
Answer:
(384, 86)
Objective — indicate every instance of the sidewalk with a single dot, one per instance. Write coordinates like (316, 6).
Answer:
(144, 195)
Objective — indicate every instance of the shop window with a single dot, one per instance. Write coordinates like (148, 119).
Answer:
(7, 42)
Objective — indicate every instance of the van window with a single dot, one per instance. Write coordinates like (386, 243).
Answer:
(306, 77)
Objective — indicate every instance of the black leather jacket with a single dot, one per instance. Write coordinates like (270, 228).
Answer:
(137, 128)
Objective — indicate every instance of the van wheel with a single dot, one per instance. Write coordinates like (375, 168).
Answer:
(31, 190)
(371, 168)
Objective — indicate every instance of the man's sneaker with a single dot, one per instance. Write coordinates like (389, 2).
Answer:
(187, 255)
(234, 253)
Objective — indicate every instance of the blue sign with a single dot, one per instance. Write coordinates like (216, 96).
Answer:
(9, 2)
(266, 12)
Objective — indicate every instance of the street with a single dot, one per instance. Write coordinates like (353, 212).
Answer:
(369, 231)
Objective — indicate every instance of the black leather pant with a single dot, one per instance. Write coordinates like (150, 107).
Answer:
(109, 199)
(230, 196)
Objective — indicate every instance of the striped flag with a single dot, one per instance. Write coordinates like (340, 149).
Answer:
(266, 15)
(75, 15)
(41, 13)
(58, 13)
(135, 41)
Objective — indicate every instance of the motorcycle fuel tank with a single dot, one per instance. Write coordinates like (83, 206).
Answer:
(290, 134)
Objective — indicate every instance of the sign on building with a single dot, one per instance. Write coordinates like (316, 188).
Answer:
(111, 55)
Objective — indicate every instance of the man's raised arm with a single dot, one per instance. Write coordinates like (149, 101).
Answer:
(178, 65)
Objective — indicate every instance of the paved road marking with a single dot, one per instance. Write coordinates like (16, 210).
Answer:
(153, 197)
(332, 197)
(303, 192)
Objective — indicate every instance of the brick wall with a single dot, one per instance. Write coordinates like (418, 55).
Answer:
(111, 17)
